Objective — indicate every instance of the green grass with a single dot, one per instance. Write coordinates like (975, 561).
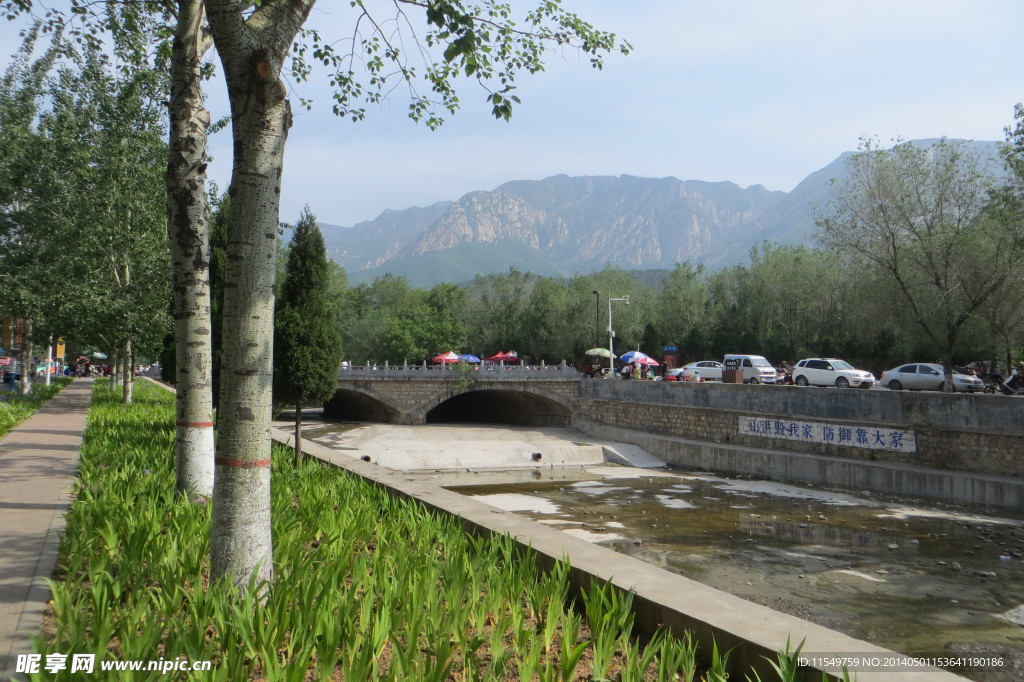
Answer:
(367, 586)
(16, 408)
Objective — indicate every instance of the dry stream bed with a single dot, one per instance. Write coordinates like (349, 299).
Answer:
(915, 576)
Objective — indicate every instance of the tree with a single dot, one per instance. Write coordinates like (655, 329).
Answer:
(188, 217)
(1005, 314)
(307, 345)
(130, 28)
(497, 309)
(480, 41)
(109, 130)
(682, 304)
(82, 207)
(921, 216)
(27, 278)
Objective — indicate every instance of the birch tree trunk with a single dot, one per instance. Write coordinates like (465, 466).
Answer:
(251, 52)
(188, 219)
(127, 374)
(298, 433)
(115, 366)
(26, 358)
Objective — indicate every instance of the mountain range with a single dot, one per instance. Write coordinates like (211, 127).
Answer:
(562, 225)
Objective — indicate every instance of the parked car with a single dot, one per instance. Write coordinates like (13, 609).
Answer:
(709, 370)
(830, 372)
(755, 368)
(928, 377)
(683, 374)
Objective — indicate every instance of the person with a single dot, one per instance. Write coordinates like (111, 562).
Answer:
(1017, 380)
(625, 372)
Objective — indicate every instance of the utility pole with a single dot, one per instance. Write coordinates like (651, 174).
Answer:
(611, 333)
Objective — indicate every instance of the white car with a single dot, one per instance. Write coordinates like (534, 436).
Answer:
(709, 369)
(830, 372)
(928, 377)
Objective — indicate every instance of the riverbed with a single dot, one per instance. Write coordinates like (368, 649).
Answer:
(915, 576)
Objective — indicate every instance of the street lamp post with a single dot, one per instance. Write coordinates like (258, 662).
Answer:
(597, 318)
(611, 334)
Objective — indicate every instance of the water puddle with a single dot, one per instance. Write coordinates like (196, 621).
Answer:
(918, 577)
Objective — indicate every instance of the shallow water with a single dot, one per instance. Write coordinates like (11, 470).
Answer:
(913, 576)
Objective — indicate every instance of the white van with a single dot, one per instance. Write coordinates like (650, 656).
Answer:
(756, 369)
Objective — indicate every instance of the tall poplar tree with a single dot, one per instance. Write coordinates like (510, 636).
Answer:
(307, 344)
(922, 216)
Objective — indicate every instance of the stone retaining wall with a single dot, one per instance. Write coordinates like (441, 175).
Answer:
(981, 434)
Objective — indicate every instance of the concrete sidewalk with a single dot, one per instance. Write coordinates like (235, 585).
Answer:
(38, 464)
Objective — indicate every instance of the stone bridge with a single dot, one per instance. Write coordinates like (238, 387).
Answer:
(514, 394)
(950, 446)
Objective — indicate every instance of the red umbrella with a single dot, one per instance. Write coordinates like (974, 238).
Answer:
(497, 357)
(448, 357)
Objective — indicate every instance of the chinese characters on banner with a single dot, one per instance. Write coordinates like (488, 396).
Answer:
(855, 436)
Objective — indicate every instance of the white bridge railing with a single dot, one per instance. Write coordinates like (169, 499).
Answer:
(485, 371)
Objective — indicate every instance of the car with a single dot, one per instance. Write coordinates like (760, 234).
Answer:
(681, 374)
(755, 369)
(830, 372)
(923, 376)
(709, 370)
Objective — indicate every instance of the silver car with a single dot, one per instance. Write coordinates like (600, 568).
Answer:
(830, 372)
(928, 377)
(710, 370)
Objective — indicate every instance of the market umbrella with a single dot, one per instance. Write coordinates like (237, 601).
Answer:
(646, 360)
(497, 357)
(633, 356)
(601, 352)
(448, 357)
(98, 355)
(469, 358)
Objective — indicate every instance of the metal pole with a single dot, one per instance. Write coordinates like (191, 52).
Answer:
(597, 318)
(611, 341)
(611, 334)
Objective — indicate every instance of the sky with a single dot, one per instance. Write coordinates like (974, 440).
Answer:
(746, 91)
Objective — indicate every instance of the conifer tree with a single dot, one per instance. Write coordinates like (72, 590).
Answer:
(307, 344)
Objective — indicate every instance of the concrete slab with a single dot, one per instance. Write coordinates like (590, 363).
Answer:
(462, 446)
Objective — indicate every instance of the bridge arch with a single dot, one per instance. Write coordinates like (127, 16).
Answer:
(502, 406)
(361, 405)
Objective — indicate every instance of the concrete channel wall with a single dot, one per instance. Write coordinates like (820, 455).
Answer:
(660, 598)
(967, 448)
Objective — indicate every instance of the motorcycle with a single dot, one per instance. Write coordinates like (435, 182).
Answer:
(784, 375)
(993, 380)
(1013, 386)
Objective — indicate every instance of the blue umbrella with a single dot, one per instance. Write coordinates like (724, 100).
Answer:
(469, 358)
(633, 356)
